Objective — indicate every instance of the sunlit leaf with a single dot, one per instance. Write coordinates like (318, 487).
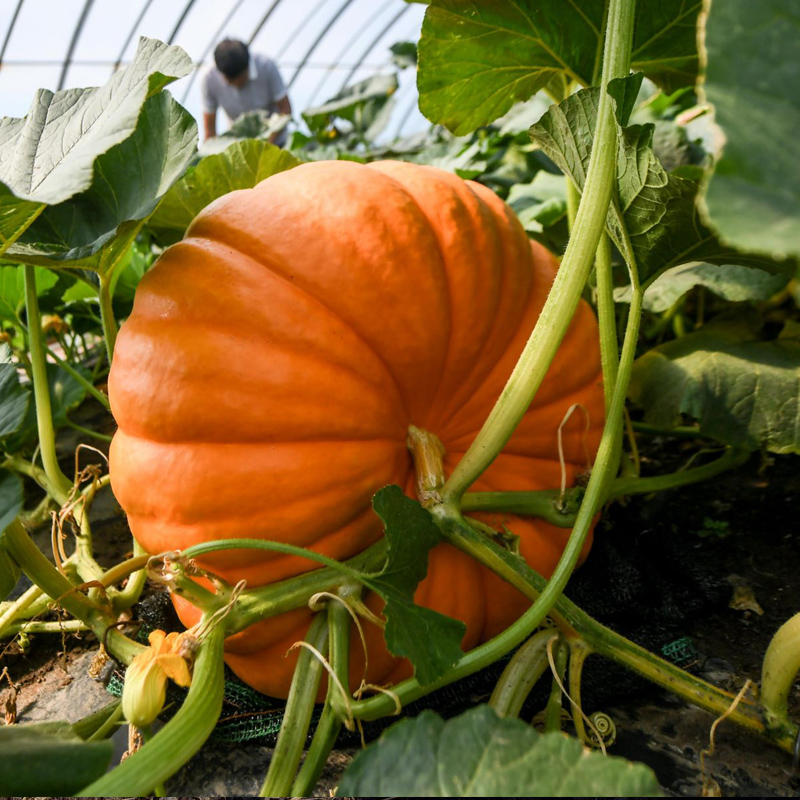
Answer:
(241, 166)
(476, 59)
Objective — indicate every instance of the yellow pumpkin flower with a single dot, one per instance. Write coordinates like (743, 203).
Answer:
(145, 688)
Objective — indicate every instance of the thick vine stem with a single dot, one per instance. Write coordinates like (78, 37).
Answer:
(330, 722)
(571, 278)
(781, 665)
(573, 622)
(543, 503)
(521, 674)
(254, 605)
(297, 717)
(607, 318)
(604, 468)
(53, 583)
(181, 737)
(41, 387)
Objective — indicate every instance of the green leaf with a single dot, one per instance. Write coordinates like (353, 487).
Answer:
(9, 571)
(476, 59)
(15, 216)
(11, 500)
(241, 166)
(131, 179)
(12, 290)
(49, 757)
(48, 156)
(655, 210)
(751, 78)
(65, 394)
(430, 640)
(728, 281)
(540, 203)
(479, 754)
(13, 398)
(741, 389)
(99, 157)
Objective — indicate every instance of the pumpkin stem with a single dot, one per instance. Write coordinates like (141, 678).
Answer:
(428, 452)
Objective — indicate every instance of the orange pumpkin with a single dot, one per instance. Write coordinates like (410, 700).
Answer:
(275, 358)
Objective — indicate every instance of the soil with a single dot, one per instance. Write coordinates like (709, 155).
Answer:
(662, 568)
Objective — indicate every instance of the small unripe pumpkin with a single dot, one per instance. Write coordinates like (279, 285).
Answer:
(275, 358)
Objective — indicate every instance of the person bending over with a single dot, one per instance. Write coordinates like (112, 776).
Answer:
(242, 82)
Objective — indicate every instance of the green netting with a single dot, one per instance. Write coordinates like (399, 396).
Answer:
(248, 715)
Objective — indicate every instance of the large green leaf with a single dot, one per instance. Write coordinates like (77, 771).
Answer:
(742, 390)
(49, 757)
(48, 156)
(728, 281)
(752, 80)
(131, 179)
(430, 640)
(654, 209)
(100, 157)
(476, 59)
(479, 754)
(241, 166)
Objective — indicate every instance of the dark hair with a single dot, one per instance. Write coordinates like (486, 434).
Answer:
(231, 57)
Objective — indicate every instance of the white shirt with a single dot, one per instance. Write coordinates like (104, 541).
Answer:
(263, 89)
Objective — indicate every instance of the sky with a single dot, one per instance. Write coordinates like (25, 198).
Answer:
(315, 63)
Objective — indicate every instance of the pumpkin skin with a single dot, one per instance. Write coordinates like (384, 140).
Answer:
(265, 382)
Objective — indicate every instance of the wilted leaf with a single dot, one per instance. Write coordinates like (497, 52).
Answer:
(479, 754)
(360, 104)
(742, 390)
(240, 166)
(752, 79)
